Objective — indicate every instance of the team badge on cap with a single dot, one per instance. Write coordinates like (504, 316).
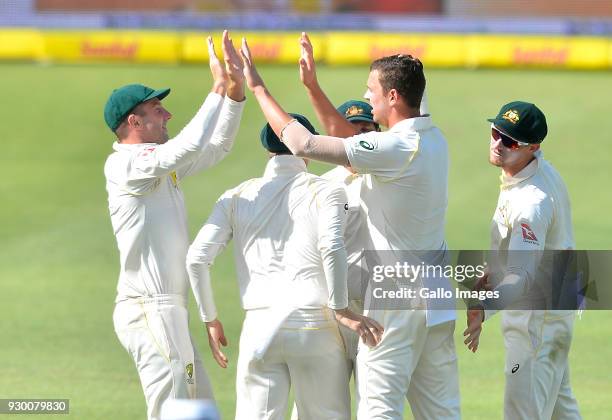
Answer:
(511, 115)
(354, 110)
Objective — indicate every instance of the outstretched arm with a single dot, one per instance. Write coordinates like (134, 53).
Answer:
(160, 160)
(297, 138)
(335, 124)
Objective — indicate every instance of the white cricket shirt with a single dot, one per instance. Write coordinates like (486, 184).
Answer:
(146, 203)
(404, 192)
(405, 184)
(287, 229)
(533, 214)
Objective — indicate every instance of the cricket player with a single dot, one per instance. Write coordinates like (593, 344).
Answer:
(148, 215)
(358, 113)
(404, 195)
(291, 266)
(532, 219)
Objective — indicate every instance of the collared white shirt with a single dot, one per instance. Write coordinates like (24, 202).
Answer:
(146, 203)
(287, 229)
(533, 215)
(533, 210)
(405, 184)
(405, 191)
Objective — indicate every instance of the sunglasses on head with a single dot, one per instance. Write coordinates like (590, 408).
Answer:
(506, 140)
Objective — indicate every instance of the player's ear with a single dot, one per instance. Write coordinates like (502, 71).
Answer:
(133, 120)
(393, 96)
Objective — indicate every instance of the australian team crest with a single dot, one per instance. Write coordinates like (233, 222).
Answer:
(511, 115)
(189, 371)
(353, 110)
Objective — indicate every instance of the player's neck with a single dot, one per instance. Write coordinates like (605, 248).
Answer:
(133, 138)
(513, 169)
(404, 113)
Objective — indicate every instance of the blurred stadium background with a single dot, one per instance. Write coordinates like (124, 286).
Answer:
(59, 60)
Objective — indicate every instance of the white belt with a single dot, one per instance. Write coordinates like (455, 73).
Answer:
(162, 299)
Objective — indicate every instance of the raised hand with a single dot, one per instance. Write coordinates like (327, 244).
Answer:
(234, 68)
(251, 76)
(216, 339)
(233, 62)
(220, 76)
(308, 74)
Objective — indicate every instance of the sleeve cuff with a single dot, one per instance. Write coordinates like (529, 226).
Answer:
(235, 104)
(336, 306)
(209, 316)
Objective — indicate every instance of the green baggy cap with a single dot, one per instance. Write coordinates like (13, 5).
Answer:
(356, 111)
(523, 121)
(272, 143)
(126, 98)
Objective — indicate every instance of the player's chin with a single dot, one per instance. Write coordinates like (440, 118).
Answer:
(495, 159)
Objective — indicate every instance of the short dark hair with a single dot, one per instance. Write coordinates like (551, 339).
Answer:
(403, 73)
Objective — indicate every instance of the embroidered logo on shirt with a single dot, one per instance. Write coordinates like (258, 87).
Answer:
(189, 371)
(515, 368)
(528, 235)
(366, 145)
(503, 213)
(511, 115)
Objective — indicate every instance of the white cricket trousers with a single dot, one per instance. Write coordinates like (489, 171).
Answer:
(351, 342)
(412, 361)
(306, 353)
(155, 332)
(537, 371)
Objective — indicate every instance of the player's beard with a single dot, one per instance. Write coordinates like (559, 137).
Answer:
(165, 136)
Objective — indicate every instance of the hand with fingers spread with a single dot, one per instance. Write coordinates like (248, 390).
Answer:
(369, 330)
(220, 76)
(475, 318)
(253, 79)
(216, 339)
(308, 74)
(233, 68)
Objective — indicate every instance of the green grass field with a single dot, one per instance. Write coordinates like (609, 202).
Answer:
(59, 263)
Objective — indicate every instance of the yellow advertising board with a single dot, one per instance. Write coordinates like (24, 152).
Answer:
(537, 51)
(112, 46)
(21, 44)
(338, 48)
(363, 48)
(266, 47)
